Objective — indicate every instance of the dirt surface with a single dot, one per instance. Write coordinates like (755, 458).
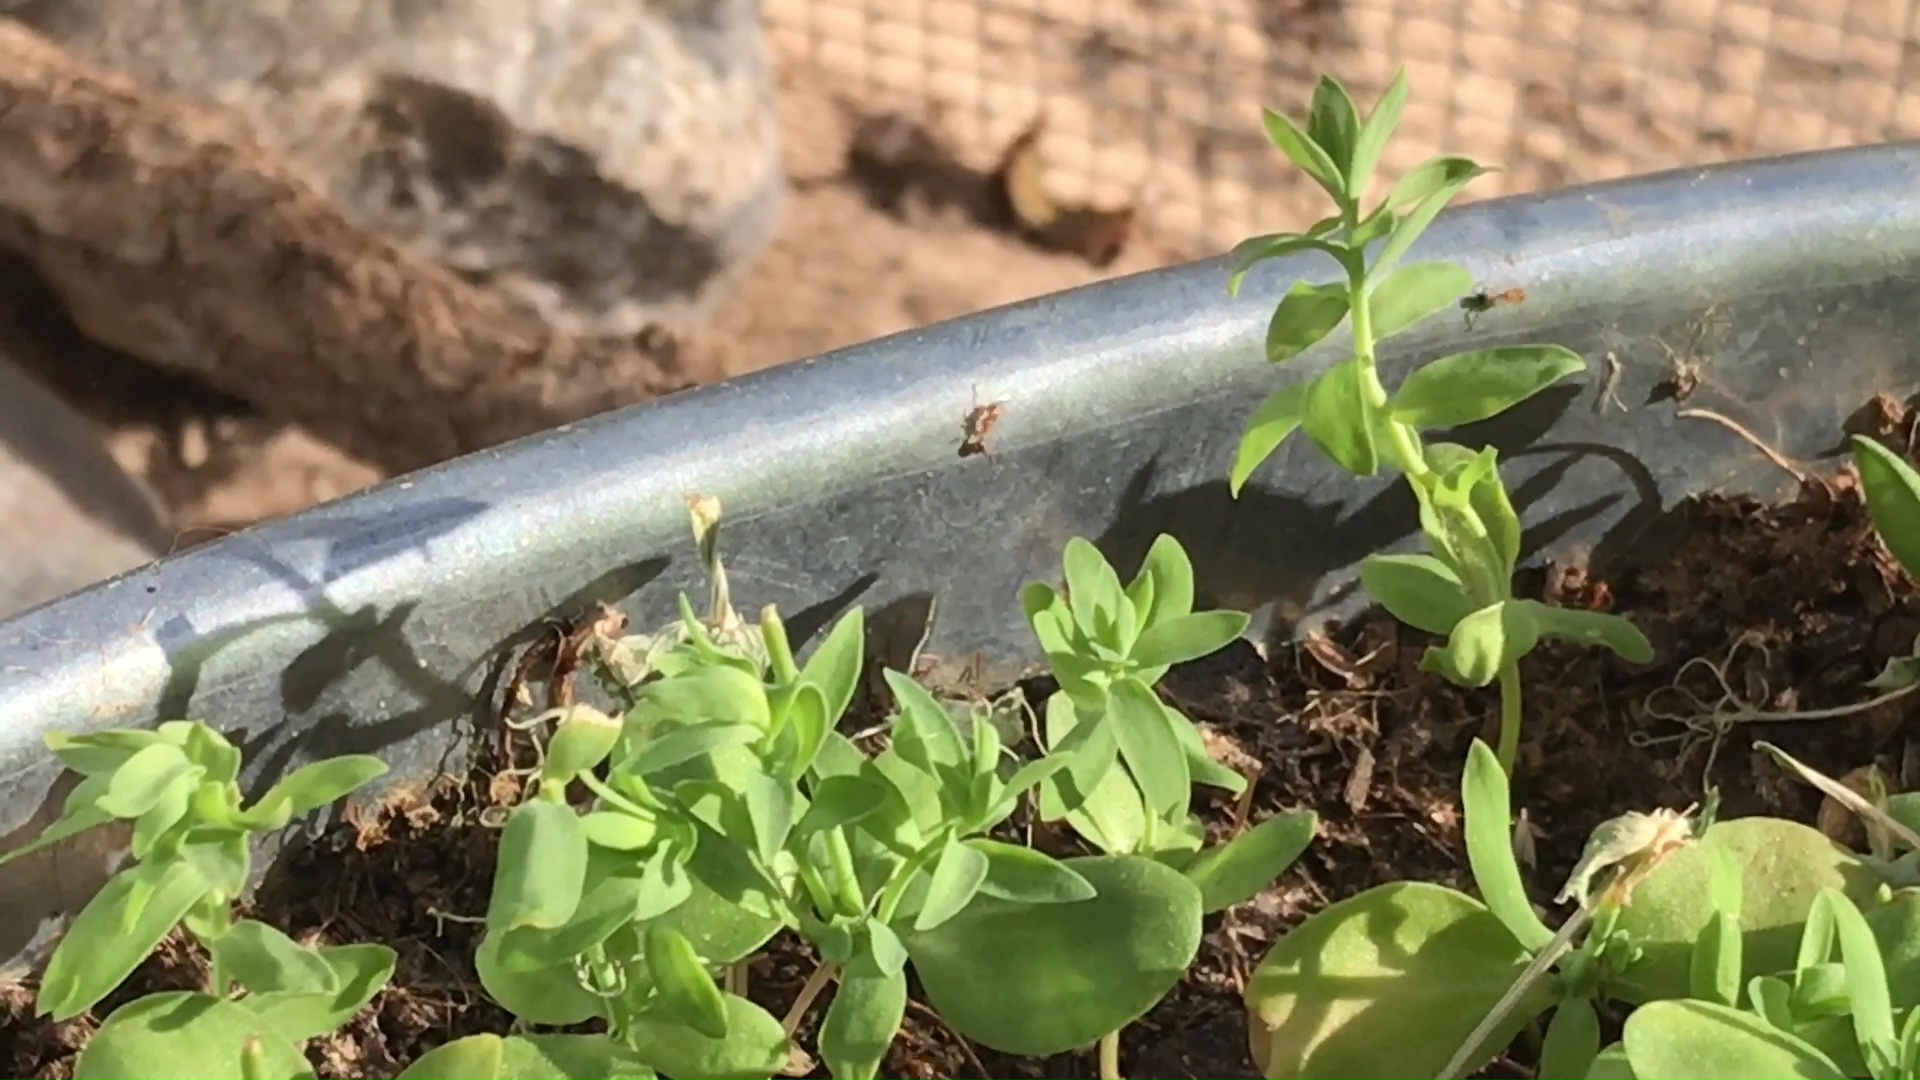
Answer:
(1760, 608)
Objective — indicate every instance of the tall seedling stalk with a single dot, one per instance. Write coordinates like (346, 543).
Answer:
(1462, 589)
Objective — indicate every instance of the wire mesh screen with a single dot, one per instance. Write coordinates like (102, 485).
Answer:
(1156, 103)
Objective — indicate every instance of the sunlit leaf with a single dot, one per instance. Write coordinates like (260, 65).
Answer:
(1374, 133)
(957, 876)
(1414, 292)
(755, 1046)
(1716, 1042)
(118, 928)
(1025, 876)
(1305, 316)
(177, 1035)
(1238, 870)
(1892, 489)
(1303, 152)
(1466, 388)
(1042, 979)
(861, 1022)
(1272, 422)
(1340, 420)
(1419, 590)
(1487, 810)
(1386, 983)
(683, 988)
(542, 867)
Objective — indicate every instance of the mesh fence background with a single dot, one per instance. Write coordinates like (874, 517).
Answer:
(1156, 102)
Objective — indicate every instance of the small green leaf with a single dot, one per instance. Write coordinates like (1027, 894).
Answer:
(1715, 974)
(1419, 590)
(1150, 747)
(1042, 979)
(1303, 152)
(1373, 136)
(957, 877)
(1095, 590)
(771, 807)
(1334, 124)
(1414, 292)
(322, 783)
(550, 995)
(1025, 876)
(1611, 1064)
(1340, 420)
(1306, 315)
(358, 973)
(143, 780)
(1867, 995)
(1893, 499)
(1172, 573)
(862, 1021)
(1573, 1040)
(581, 740)
(1469, 387)
(1386, 983)
(924, 732)
(1486, 806)
(1408, 228)
(834, 667)
(1181, 638)
(1716, 1042)
(619, 830)
(683, 989)
(755, 1046)
(841, 800)
(1249, 253)
(1484, 641)
(542, 867)
(718, 693)
(102, 752)
(266, 960)
(672, 742)
(1237, 871)
(528, 1057)
(809, 722)
(1431, 177)
(178, 1035)
(118, 928)
(1272, 422)
(1592, 628)
(611, 899)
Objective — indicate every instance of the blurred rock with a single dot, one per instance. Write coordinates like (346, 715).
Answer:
(613, 164)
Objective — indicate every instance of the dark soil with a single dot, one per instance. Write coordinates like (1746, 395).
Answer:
(1795, 605)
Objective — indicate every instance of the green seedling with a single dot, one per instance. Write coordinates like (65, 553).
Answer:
(1462, 589)
(726, 805)
(177, 787)
(1414, 979)
(1133, 758)
(1390, 982)
(1129, 759)
(1825, 1017)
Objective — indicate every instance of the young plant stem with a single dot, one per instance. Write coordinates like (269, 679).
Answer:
(1110, 1057)
(846, 880)
(1510, 713)
(816, 982)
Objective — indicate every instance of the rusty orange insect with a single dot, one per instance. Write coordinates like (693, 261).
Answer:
(1484, 301)
(979, 423)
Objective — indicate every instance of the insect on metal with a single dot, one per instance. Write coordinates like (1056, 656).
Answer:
(979, 423)
(1483, 301)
